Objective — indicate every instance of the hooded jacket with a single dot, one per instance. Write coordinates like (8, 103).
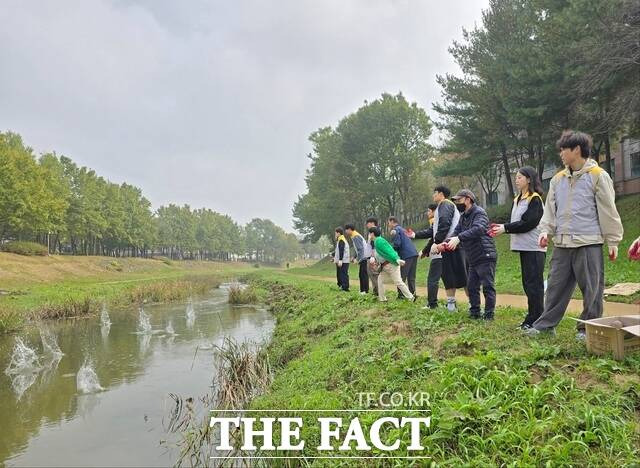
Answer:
(402, 243)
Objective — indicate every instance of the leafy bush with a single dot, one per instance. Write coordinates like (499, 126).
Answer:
(499, 214)
(25, 248)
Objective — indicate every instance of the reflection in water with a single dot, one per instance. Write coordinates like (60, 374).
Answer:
(105, 321)
(191, 315)
(45, 406)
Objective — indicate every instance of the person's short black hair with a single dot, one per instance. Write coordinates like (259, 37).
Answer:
(571, 138)
(349, 226)
(375, 231)
(432, 207)
(372, 220)
(444, 190)
(339, 230)
(393, 219)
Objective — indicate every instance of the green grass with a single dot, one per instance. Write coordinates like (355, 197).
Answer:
(497, 398)
(508, 278)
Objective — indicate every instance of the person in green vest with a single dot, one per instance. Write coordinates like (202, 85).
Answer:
(390, 264)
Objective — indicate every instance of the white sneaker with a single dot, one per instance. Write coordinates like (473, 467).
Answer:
(363, 293)
(451, 305)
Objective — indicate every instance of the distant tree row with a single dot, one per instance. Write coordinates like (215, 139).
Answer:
(70, 209)
(532, 69)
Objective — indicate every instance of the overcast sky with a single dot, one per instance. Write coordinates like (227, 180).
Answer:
(210, 103)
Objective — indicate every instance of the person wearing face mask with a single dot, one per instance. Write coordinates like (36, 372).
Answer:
(480, 250)
(581, 215)
(525, 216)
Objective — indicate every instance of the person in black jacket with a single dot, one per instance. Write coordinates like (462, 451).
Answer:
(454, 271)
(481, 254)
(526, 213)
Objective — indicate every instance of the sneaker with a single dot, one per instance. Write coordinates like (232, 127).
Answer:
(363, 293)
(581, 336)
(426, 307)
(535, 332)
(524, 326)
(451, 305)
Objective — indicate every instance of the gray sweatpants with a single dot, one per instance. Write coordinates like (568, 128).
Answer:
(582, 265)
(373, 272)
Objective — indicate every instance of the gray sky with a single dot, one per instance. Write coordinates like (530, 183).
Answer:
(210, 103)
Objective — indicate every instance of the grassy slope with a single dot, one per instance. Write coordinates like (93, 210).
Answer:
(35, 282)
(496, 397)
(508, 270)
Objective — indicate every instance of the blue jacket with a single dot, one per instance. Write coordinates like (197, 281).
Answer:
(402, 244)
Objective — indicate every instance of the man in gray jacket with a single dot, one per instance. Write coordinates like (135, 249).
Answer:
(359, 245)
(581, 215)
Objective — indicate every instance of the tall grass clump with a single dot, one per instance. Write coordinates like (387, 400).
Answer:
(172, 290)
(240, 294)
(10, 319)
(69, 307)
(25, 248)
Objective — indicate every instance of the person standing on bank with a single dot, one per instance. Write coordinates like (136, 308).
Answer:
(390, 264)
(525, 216)
(435, 259)
(341, 258)
(581, 215)
(373, 267)
(407, 252)
(359, 245)
(445, 220)
(480, 250)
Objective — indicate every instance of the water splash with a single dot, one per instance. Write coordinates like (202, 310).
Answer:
(50, 344)
(191, 315)
(87, 379)
(105, 320)
(169, 330)
(23, 359)
(144, 323)
(23, 367)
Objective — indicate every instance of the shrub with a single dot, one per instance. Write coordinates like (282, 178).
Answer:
(25, 248)
(499, 214)
(173, 290)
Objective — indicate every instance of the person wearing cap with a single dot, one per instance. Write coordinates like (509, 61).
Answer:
(361, 258)
(390, 264)
(581, 215)
(480, 249)
(454, 271)
(526, 213)
(407, 252)
(341, 258)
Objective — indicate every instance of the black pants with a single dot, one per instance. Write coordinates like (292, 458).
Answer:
(364, 276)
(532, 268)
(482, 274)
(433, 281)
(408, 274)
(342, 274)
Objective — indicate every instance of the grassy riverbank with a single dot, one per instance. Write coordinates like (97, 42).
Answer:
(65, 286)
(508, 270)
(496, 397)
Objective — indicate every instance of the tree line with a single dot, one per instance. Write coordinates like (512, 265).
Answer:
(530, 70)
(70, 209)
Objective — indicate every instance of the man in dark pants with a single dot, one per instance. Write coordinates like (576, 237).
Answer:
(407, 252)
(481, 254)
(341, 259)
(359, 244)
(373, 267)
(435, 263)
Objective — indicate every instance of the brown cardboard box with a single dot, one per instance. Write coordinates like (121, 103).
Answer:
(619, 335)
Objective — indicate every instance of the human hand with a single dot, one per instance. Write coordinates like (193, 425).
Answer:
(434, 249)
(401, 262)
(543, 241)
(339, 263)
(634, 250)
(496, 229)
(613, 252)
(453, 243)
